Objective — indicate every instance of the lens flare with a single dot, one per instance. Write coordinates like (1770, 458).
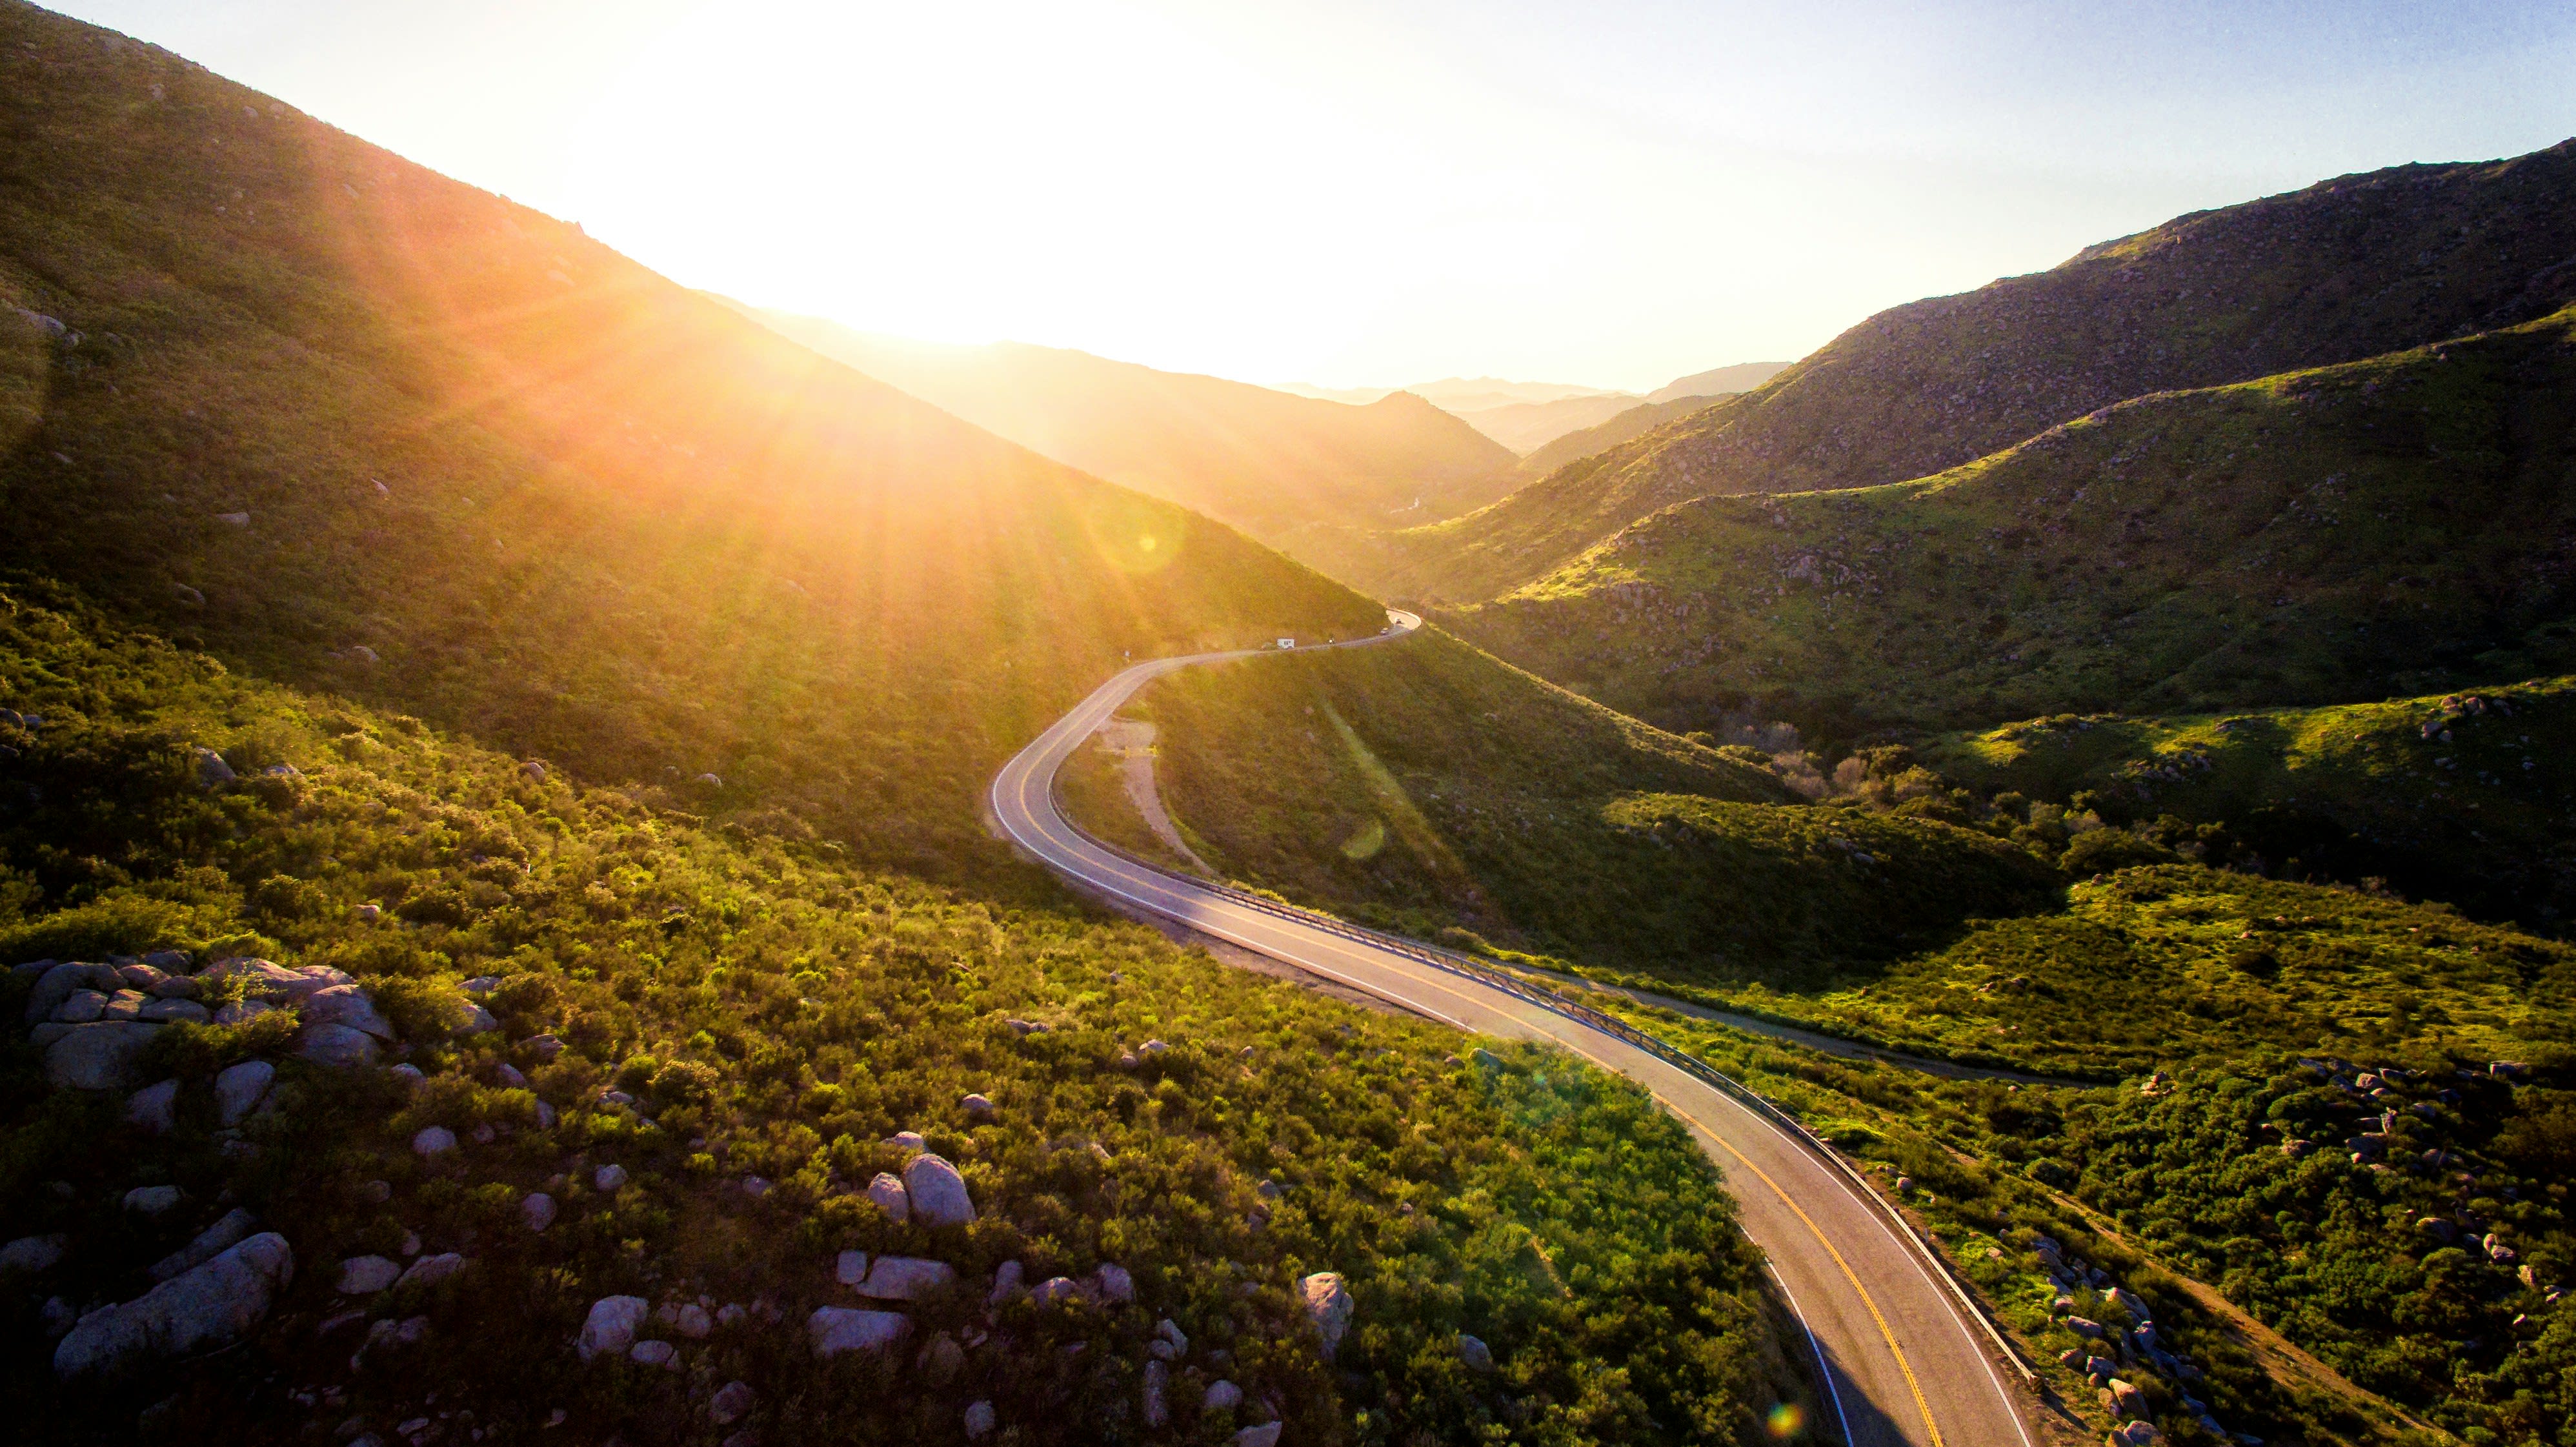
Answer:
(1787, 1421)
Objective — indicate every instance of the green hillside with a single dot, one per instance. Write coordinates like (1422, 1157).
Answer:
(2392, 527)
(1299, 473)
(1635, 421)
(772, 1011)
(284, 396)
(2346, 269)
(2459, 797)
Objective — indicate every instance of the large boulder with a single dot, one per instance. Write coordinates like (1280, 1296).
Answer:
(57, 983)
(154, 1107)
(99, 1056)
(907, 1278)
(172, 1012)
(212, 1306)
(240, 1088)
(1265, 1435)
(539, 1209)
(937, 1192)
(1474, 1354)
(343, 1047)
(888, 1192)
(29, 1255)
(367, 1275)
(346, 1005)
(610, 1328)
(431, 1270)
(838, 1329)
(1329, 1306)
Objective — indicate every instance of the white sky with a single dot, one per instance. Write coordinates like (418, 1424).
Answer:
(1612, 192)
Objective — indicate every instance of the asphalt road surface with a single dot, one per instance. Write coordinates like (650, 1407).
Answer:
(1902, 1359)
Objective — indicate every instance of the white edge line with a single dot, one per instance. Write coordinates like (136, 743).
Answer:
(1824, 1369)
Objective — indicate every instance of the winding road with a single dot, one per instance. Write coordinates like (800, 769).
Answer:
(1902, 1360)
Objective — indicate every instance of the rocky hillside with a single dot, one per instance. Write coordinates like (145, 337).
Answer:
(1632, 422)
(282, 395)
(2388, 528)
(1291, 471)
(2345, 269)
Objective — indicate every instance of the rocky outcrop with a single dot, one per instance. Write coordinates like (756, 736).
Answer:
(99, 1056)
(1328, 1306)
(212, 1306)
(341, 1047)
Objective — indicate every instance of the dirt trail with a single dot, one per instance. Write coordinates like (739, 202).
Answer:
(1132, 740)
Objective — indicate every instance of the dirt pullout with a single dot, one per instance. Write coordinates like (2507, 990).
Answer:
(1132, 740)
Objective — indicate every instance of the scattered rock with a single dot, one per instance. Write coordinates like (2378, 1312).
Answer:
(340, 1047)
(1474, 1353)
(80, 1007)
(1113, 1283)
(850, 1268)
(609, 1178)
(30, 1254)
(510, 1076)
(431, 1142)
(544, 1047)
(431, 1270)
(937, 1192)
(153, 1201)
(211, 768)
(367, 1275)
(1329, 1306)
(687, 1318)
(888, 1192)
(755, 1186)
(1221, 1396)
(979, 1420)
(1158, 1377)
(1265, 1435)
(907, 1140)
(346, 1005)
(1054, 1289)
(97, 1057)
(369, 913)
(167, 1011)
(732, 1402)
(977, 1107)
(533, 771)
(228, 1232)
(408, 1074)
(211, 1306)
(611, 1325)
(538, 1210)
(906, 1278)
(237, 519)
(2083, 1326)
(838, 1329)
(154, 1107)
(654, 1353)
(1008, 1281)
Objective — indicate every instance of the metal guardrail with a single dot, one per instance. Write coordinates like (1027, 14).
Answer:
(1557, 1003)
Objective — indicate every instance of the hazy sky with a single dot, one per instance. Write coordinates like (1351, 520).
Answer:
(1613, 192)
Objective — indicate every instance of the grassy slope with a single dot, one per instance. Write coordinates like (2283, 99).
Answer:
(617, 524)
(1424, 786)
(779, 1011)
(2345, 269)
(1291, 471)
(2394, 526)
(2461, 797)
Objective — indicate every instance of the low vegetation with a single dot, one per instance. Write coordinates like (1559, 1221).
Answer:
(772, 1010)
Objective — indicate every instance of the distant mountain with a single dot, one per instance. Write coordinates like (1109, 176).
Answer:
(2345, 269)
(1479, 393)
(1720, 381)
(1635, 420)
(1292, 471)
(289, 401)
(1524, 426)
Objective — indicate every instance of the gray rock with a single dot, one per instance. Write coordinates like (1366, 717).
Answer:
(57, 983)
(544, 1047)
(346, 1005)
(212, 1306)
(1221, 1396)
(838, 1329)
(907, 1278)
(937, 1192)
(977, 1107)
(687, 1318)
(654, 1353)
(1265, 1435)
(475, 1020)
(1158, 1380)
(240, 1089)
(732, 1403)
(979, 1420)
(241, 1010)
(1009, 1280)
(154, 1107)
(142, 976)
(368, 913)
(177, 987)
(367, 1275)
(170, 1012)
(1473, 1352)
(80, 1007)
(1113, 1283)
(611, 1326)
(431, 1270)
(341, 1047)
(1168, 1332)
(124, 1005)
(1055, 1289)
(211, 768)
(850, 1268)
(510, 1076)
(539, 1210)
(408, 1074)
(174, 961)
(30, 1254)
(907, 1140)
(215, 1240)
(609, 1178)
(1329, 1306)
(153, 1201)
(432, 1141)
(888, 1192)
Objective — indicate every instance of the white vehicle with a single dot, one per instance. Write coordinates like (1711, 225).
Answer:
(1287, 642)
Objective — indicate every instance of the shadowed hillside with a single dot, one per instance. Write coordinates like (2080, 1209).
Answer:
(2345, 269)
(1287, 469)
(285, 397)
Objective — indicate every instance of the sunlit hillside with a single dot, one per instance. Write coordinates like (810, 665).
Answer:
(282, 396)
(1292, 471)
(2345, 269)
